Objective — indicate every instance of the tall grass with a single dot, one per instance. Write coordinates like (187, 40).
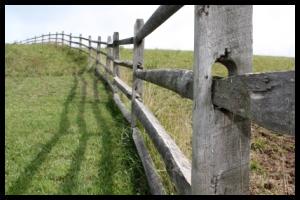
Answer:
(174, 112)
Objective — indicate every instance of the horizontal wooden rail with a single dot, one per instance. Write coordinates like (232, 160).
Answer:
(121, 42)
(178, 166)
(154, 182)
(125, 63)
(123, 87)
(271, 103)
(158, 17)
(122, 107)
(84, 38)
(179, 81)
(272, 96)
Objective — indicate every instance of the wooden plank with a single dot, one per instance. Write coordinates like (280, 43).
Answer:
(116, 54)
(125, 41)
(122, 107)
(274, 109)
(121, 42)
(80, 42)
(179, 81)
(123, 87)
(231, 93)
(158, 17)
(154, 182)
(221, 141)
(178, 166)
(266, 98)
(138, 60)
(108, 62)
(125, 63)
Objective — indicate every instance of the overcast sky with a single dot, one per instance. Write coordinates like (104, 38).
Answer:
(273, 26)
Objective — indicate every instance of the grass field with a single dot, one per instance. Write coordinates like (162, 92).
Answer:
(63, 134)
(48, 96)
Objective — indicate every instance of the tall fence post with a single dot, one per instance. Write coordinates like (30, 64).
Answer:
(42, 39)
(70, 43)
(138, 62)
(80, 41)
(49, 37)
(56, 38)
(62, 38)
(221, 140)
(109, 53)
(116, 54)
(98, 51)
(90, 51)
(34, 39)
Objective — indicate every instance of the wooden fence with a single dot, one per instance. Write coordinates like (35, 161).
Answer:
(222, 107)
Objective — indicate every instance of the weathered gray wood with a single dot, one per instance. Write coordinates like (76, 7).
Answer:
(158, 17)
(122, 107)
(62, 38)
(108, 61)
(80, 42)
(125, 63)
(56, 38)
(154, 182)
(221, 141)
(231, 93)
(122, 42)
(138, 60)
(178, 166)
(42, 39)
(266, 98)
(177, 80)
(70, 42)
(98, 51)
(116, 54)
(125, 41)
(49, 38)
(123, 87)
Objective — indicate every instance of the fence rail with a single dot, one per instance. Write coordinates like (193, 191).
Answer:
(222, 106)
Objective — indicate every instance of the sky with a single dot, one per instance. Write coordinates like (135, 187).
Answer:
(273, 25)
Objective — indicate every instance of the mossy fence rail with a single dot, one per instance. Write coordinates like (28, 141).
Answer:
(222, 107)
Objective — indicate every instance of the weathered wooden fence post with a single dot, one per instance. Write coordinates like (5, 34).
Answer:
(138, 62)
(221, 140)
(109, 53)
(70, 44)
(34, 39)
(98, 51)
(56, 38)
(62, 38)
(116, 54)
(80, 41)
(42, 39)
(49, 37)
(90, 51)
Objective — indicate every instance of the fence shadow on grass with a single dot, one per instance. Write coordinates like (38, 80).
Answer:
(24, 180)
(131, 159)
(69, 185)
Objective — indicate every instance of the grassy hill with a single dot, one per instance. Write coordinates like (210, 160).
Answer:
(49, 94)
(63, 134)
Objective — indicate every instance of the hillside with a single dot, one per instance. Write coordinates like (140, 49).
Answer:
(49, 94)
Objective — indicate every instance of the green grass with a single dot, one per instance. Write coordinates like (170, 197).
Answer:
(60, 138)
(63, 133)
(174, 112)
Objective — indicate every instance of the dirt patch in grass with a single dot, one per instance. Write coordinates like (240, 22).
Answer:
(272, 162)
